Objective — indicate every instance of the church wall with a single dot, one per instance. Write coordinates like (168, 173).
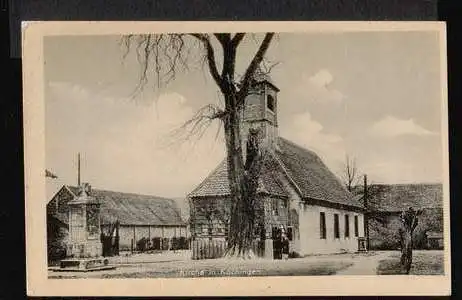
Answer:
(293, 213)
(200, 221)
(276, 213)
(311, 242)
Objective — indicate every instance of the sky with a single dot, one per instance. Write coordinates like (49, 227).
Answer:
(374, 96)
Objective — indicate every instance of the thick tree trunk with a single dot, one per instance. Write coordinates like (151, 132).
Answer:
(243, 182)
(409, 221)
(406, 251)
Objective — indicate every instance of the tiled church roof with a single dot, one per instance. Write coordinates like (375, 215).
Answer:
(312, 176)
(303, 167)
(216, 184)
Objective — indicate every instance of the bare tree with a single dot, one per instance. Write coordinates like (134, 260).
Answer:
(350, 173)
(165, 53)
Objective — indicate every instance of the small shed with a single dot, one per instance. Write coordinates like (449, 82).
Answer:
(435, 240)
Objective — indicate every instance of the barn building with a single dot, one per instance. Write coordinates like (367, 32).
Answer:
(387, 201)
(139, 216)
(297, 192)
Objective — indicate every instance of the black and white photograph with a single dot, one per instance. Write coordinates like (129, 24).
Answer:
(207, 150)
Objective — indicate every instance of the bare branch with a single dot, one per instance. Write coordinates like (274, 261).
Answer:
(253, 65)
(237, 39)
(167, 53)
(198, 124)
(223, 38)
(350, 175)
(267, 66)
(204, 38)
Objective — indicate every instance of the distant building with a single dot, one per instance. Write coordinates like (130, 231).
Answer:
(139, 216)
(435, 240)
(297, 192)
(387, 201)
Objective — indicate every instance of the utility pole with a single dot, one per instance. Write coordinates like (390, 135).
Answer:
(78, 169)
(366, 215)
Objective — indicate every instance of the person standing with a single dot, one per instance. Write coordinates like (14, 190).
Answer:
(285, 247)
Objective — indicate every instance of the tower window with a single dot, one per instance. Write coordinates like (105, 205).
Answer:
(270, 102)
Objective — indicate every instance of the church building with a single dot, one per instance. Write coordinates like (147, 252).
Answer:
(297, 192)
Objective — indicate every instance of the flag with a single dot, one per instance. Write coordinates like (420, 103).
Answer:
(49, 174)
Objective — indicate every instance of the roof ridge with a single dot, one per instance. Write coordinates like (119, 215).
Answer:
(125, 193)
(286, 173)
(408, 184)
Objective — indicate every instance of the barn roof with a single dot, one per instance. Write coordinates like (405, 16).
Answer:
(398, 197)
(134, 209)
(304, 168)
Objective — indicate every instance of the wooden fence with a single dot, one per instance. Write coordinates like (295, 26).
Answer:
(210, 249)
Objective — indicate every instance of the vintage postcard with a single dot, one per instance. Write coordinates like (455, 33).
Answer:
(236, 158)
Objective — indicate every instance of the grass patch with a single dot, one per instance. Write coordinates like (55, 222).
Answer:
(423, 263)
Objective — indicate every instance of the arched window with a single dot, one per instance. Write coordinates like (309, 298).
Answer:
(270, 103)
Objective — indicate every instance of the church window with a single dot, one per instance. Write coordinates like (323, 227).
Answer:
(270, 103)
(322, 225)
(274, 207)
(336, 227)
(347, 226)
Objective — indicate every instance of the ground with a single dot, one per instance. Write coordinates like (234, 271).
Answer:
(170, 264)
(423, 263)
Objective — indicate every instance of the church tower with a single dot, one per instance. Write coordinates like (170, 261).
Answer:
(260, 110)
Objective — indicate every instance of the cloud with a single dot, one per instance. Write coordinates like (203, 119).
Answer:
(317, 88)
(126, 146)
(396, 170)
(391, 127)
(321, 79)
(309, 133)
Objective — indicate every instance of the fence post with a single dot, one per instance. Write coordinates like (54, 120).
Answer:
(212, 249)
(192, 253)
(204, 247)
(194, 246)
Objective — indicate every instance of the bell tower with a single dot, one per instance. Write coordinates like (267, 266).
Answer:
(260, 110)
